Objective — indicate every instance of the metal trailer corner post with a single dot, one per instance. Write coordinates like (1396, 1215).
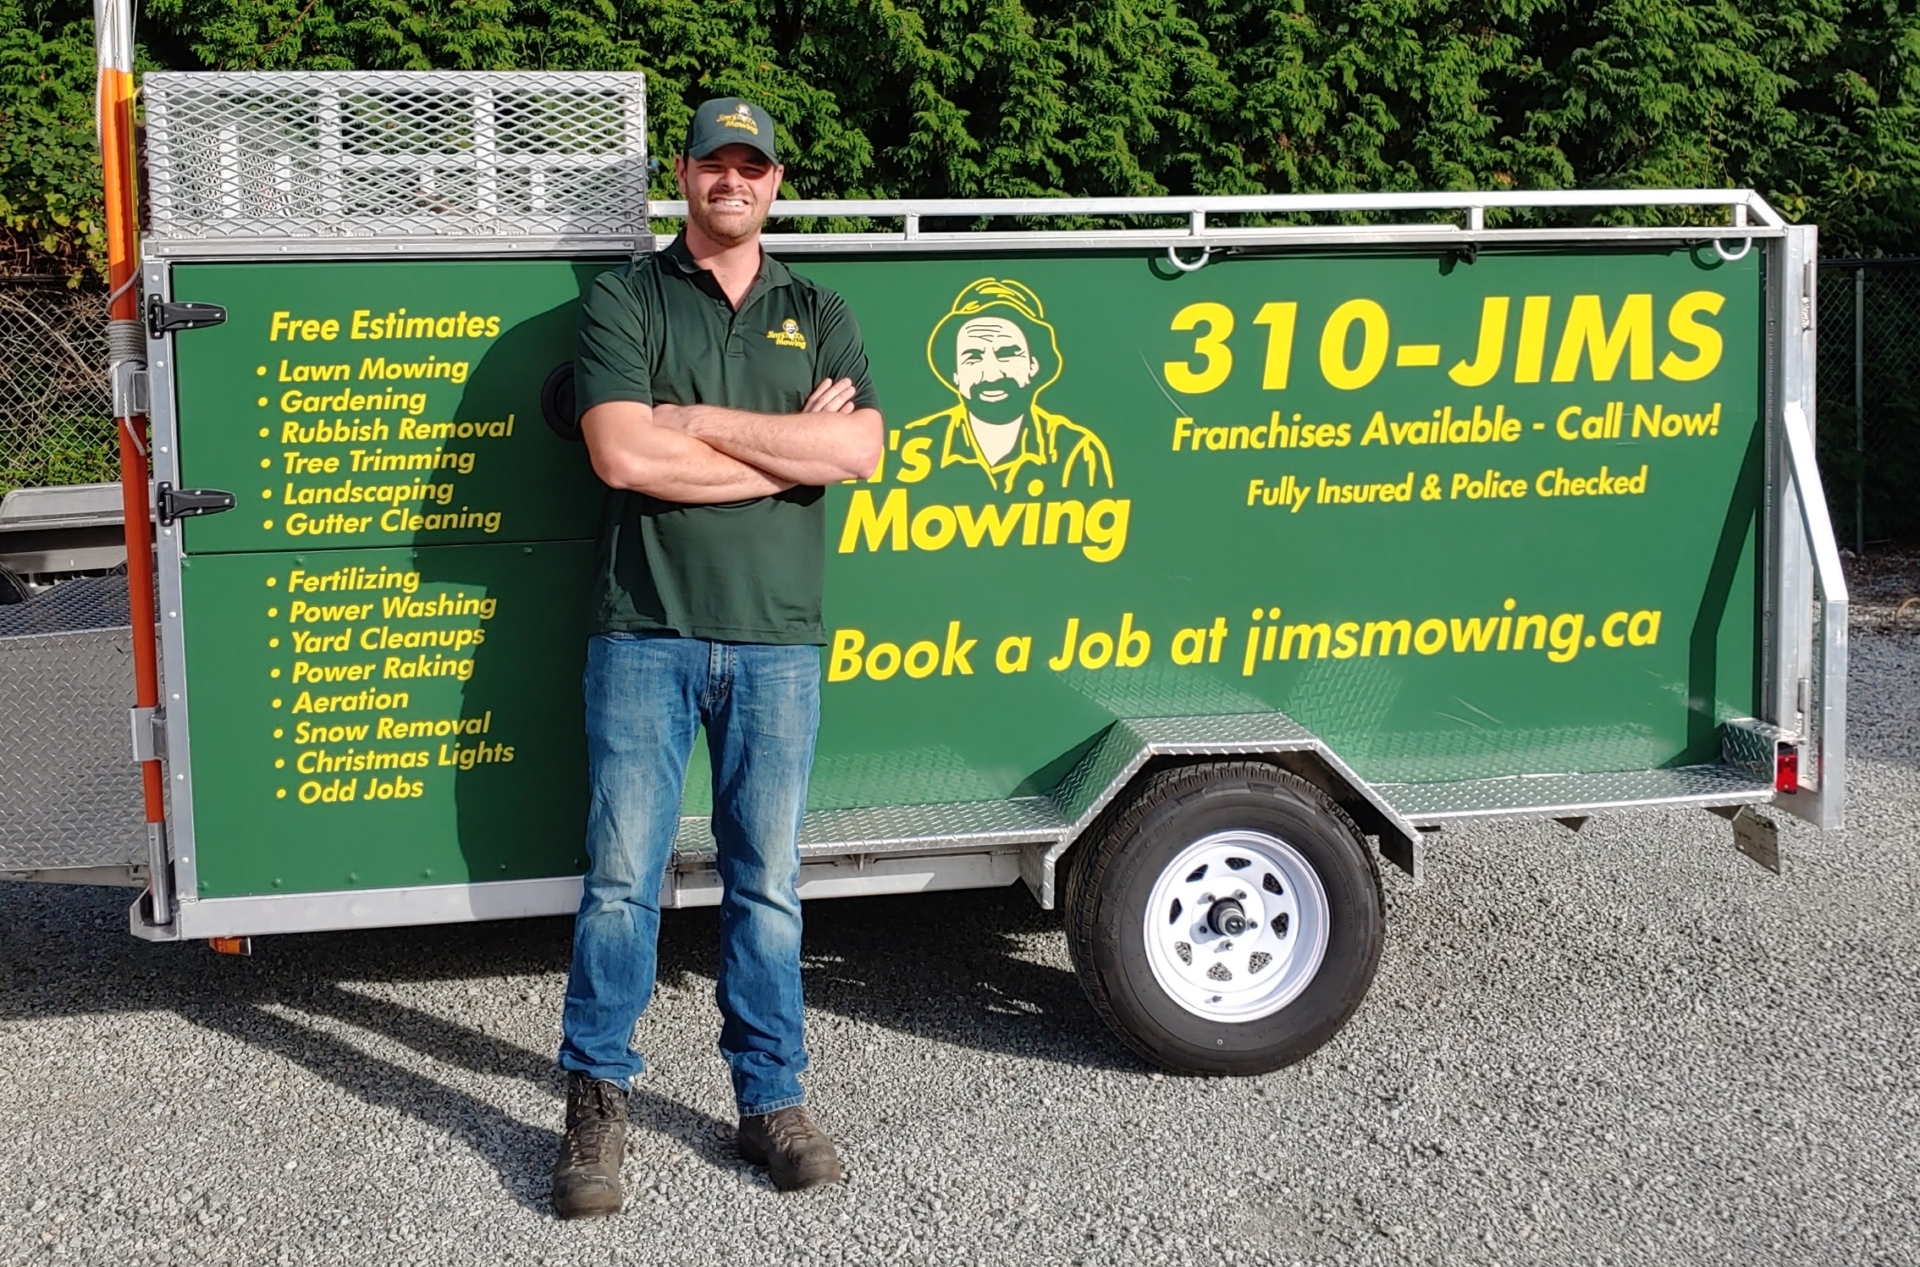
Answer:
(370, 198)
(1806, 666)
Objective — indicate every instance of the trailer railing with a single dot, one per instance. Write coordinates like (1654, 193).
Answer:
(1748, 218)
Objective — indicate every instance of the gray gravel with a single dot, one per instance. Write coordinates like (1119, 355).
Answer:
(1626, 1046)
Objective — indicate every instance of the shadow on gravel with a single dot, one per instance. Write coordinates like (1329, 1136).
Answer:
(946, 967)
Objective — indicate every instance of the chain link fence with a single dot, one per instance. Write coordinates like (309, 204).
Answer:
(1869, 399)
(56, 412)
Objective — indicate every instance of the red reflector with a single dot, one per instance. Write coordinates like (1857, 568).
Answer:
(1786, 769)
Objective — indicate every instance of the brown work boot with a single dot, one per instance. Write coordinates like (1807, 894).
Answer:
(586, 1178)
(795, 1152)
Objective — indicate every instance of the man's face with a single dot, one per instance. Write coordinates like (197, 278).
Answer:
(994, 369)
(728, 192)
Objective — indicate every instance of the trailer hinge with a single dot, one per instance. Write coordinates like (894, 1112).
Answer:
(172, 503)
(164, 317)
(149, 734)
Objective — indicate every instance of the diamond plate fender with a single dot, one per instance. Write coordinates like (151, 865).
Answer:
(1125, 748)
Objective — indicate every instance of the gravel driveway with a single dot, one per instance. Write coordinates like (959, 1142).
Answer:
(1629, 1045)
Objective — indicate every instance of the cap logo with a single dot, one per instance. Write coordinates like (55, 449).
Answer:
(739, 118)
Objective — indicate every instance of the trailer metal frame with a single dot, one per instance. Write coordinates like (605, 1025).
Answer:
(253, 211)
(926, 848)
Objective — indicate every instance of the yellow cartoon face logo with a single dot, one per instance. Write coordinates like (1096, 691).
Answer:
(788, 335)
(740, 119)
(996, 352)
(996, 469)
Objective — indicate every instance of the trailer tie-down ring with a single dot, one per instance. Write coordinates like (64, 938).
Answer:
(1173, 258)
(1746, 244)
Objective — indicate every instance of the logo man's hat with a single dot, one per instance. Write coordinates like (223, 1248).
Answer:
(730, 121)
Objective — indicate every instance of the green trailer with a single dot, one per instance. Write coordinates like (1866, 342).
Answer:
(1335, 520)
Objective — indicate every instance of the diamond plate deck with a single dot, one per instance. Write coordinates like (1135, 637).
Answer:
(89, 603)
(901, 829)
(1750, 746)
(1571, 795)
(1127, 744)
(69, 789)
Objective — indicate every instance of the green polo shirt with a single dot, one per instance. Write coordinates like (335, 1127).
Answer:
(661, 330)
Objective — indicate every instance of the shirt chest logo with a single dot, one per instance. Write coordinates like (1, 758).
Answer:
(788, 335)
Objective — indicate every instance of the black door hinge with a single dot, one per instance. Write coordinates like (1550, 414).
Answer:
(165, 318)
(183, 503)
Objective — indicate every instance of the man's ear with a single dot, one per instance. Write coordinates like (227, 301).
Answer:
(680, 174)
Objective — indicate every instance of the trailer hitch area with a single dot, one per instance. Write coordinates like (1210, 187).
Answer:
(183, 503)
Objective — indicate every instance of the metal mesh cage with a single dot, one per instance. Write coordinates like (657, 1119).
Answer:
(377, 154)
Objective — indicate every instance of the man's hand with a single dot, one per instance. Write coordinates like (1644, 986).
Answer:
(829, 440)
(830, 397)
(632, 448)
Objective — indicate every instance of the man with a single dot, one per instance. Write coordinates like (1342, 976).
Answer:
(996, 351)
(718, 394)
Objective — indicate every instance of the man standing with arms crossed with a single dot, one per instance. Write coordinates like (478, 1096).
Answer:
(718, 394)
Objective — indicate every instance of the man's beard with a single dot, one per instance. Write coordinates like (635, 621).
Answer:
(730, 230)
(1018, 401)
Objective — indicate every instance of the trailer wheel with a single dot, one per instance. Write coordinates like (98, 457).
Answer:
(1227, 919)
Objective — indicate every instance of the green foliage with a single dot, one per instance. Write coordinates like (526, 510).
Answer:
(71, 451)
(50, 199)
(1814, 102)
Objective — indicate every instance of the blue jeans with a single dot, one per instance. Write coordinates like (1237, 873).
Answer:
(645, 697)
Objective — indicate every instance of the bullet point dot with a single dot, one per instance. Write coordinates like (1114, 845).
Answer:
(279, 763)
(266, 492)
(263, 433)
(273, 672)
(277, 732)
(282, 795)
(267, 524)
(273, 642)
(261, 370)
(265, 463)
(272, 612)
(263, 402)
(276, 703)
(272, 581)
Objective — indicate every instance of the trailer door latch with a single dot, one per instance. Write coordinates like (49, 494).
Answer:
(183, 503)
(164, 317)
(149, 735)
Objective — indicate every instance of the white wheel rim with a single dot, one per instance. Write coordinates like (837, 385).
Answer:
(1236, 978)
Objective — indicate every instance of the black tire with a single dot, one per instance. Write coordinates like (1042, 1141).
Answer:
(1118, 864)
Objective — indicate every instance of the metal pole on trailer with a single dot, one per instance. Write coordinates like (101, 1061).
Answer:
(1860, 408)
(127, 358)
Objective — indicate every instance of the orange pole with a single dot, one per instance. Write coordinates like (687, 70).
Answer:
(114, 38)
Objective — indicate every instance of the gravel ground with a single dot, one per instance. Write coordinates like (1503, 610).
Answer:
(1625, 1046)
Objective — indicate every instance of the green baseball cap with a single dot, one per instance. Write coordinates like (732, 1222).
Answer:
(730, 121)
